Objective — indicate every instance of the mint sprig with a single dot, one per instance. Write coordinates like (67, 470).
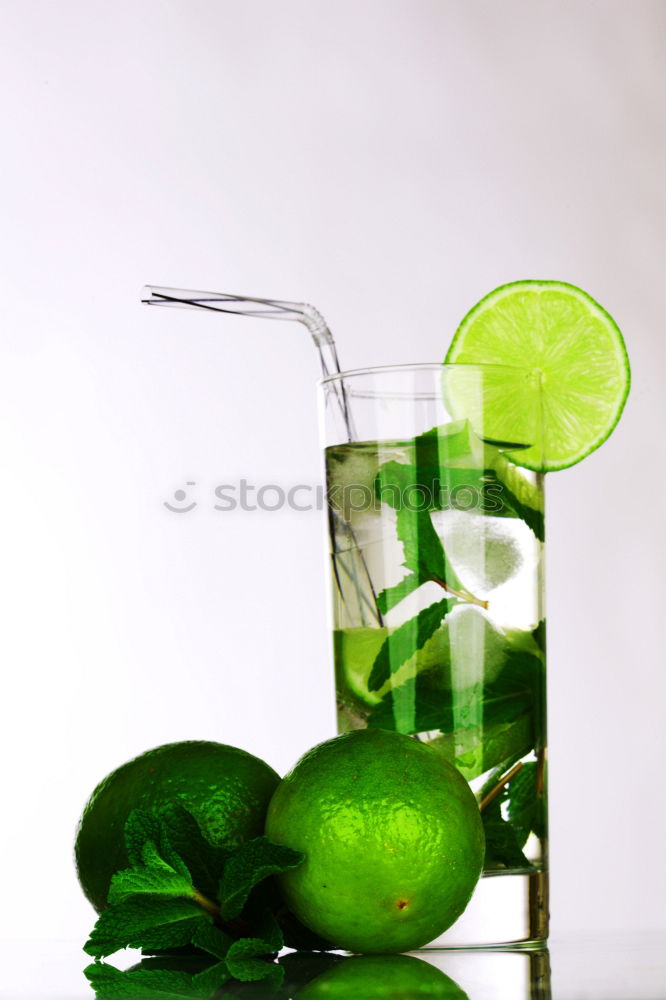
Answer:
(157, 905)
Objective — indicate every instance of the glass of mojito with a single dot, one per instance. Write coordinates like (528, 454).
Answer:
(436, 528)
(436, 525)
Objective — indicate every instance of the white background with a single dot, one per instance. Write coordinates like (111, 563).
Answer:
(391, 162)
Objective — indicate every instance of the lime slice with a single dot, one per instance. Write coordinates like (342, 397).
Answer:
(570, 363)
(355, 652)
(481, 651)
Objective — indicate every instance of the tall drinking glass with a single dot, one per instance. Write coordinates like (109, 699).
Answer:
(436, 527)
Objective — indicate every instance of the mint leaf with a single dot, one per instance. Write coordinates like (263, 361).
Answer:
(205, 861)
(422, 547)
(519, 687)
(154, 878)
(512, 506)
(502, 846)
(477, 750)
(142, 827)
(431, 485)
(171, 936)
(209, 980)
(388, 598)
(409, 637)
(255, 861)
(515, 698)
(266, 926)
(142, 919)
(250, 960)
(539, 635)
(453, 469)
(526, 810)
(211, 939)
(457, 466)
(434, 707)
(110, 983)
(424, 552)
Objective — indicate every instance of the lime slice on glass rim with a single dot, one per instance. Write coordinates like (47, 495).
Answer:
(566, 357)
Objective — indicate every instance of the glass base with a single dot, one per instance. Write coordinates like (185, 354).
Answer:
(495, 974)
(507, 910)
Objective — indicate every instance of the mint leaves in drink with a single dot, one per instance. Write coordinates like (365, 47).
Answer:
(198, 897)
(463, 522)
(408, 638)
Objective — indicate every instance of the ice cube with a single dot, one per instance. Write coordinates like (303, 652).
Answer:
(484, 551)
(478, 648)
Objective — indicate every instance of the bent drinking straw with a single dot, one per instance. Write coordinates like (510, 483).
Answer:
(348, 559)
(244, 305)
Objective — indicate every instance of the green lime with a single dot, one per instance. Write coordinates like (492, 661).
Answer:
(226, 789)
(382, 977)
(570, 362)
(393, 841)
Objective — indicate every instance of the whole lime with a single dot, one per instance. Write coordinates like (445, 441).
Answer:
(226, 789)
(393, 841)
(382, 977)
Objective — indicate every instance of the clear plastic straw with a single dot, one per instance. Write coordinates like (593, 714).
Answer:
(349, 556)
(244, 305)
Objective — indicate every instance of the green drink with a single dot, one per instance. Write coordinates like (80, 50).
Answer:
(438, 623)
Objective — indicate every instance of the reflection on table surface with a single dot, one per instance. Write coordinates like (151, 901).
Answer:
(308, 976)
(585, 967)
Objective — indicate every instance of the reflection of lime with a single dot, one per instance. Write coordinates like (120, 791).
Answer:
(226, 790)
(565, 344)
(392, 836)
(382, 977)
